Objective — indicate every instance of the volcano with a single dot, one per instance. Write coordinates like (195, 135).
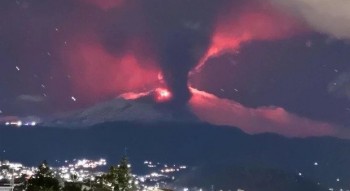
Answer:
(133, 107)
(152, 106)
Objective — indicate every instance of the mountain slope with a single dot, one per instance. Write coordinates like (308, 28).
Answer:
(143, 107)
(196, 144)
(117, 109)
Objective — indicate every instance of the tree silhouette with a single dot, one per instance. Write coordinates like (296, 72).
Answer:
(124, 177)
(72, 186)
(119, 178)
(43, 180)
(112, 176)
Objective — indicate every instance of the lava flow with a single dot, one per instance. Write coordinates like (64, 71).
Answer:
(162, 95)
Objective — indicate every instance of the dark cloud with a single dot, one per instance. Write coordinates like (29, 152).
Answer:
(258, 120)
(286, 73)
(98, 49)
(181, 52)
(94, 50)
(178, 31)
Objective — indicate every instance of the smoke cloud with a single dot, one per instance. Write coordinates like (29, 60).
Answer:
(125, 46)
(105, 4)
(182, 32)
(212, 109)
(103, 48)
(181, 53)
(329, 17)
(187, 33)
(253, 21)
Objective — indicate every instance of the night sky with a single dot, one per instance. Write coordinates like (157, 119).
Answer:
(285, 62)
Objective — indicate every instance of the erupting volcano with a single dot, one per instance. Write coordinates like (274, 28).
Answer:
(129, 50)
(241, 94)
(160, 48)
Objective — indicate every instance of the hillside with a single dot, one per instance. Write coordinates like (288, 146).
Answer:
(201, 146)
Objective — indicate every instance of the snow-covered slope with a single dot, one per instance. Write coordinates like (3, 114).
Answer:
(205, 107)
(118, 109)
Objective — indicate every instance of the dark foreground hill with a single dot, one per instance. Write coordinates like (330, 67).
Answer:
(231, 156)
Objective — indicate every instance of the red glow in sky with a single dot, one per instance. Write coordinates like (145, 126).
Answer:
(97, 73)
(212, 109)
(254, 22)
(105, 4)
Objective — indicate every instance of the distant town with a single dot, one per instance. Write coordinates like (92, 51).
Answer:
(90, 175)
(85, 172)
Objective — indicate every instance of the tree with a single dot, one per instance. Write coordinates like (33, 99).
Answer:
(119, 178)
(124, 177)
(72, 186)
(100, 184)
(43, 179)
(112, 176)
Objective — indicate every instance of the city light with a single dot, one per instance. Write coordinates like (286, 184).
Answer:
(159, 176)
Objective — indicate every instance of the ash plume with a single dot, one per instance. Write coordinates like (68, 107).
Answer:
(182, 33)
(102, 49)
(179, 54)
(178, 32)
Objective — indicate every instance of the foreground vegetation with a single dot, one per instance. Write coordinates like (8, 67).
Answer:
(117, 178)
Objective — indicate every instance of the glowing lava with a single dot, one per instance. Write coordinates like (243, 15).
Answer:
(162, 95)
